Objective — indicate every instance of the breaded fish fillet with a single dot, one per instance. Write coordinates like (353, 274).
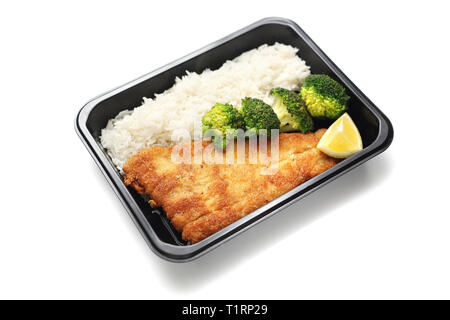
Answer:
(201, 199)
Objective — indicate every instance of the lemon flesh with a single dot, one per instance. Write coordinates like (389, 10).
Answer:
(342, 139)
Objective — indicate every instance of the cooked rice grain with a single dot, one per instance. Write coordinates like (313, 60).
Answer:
(251, 74)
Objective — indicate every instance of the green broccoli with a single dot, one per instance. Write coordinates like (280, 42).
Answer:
(224, 119)
(258, 115)
(291, 110)
(324, 97)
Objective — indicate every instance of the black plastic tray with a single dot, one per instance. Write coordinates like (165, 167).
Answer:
(375, 128)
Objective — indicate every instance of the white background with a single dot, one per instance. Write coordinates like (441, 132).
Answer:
(381, 231)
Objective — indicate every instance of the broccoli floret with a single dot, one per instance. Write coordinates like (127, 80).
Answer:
(258, 115)
(291, 110)
(324, 97)
(224, 119)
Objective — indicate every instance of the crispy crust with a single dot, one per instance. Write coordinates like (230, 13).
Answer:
(201, 199)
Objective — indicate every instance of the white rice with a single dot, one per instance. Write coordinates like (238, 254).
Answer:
(252, 74)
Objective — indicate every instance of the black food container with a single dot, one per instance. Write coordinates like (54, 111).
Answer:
(375, 128)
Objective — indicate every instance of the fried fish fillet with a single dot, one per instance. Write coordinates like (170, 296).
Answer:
(202, 198)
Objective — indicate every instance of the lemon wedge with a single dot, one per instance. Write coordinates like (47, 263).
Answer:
(342, 139)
